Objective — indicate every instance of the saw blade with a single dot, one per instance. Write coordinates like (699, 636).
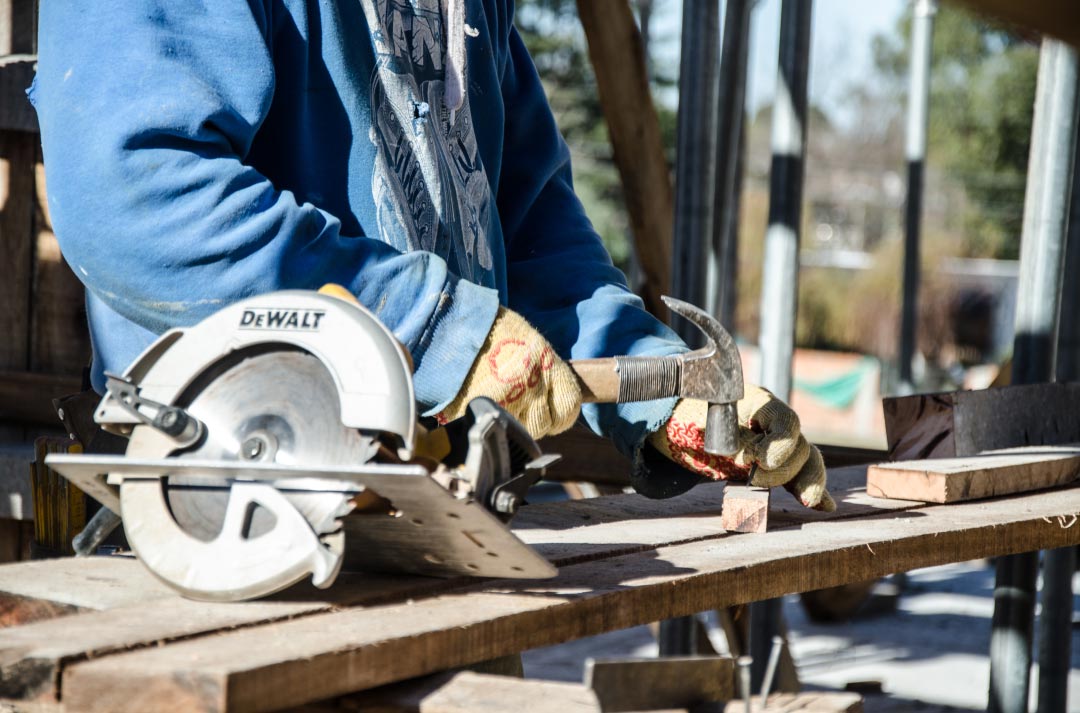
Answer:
(274, 407)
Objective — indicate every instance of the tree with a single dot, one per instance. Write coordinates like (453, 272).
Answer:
(982, 93)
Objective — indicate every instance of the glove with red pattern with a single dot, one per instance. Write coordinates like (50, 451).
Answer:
(769, 437)
(518, 369)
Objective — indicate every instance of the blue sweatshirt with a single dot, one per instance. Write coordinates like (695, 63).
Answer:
(203, 151)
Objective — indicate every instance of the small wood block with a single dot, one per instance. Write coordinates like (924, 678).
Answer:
(746, 508)
(651, 684)
(950, 480)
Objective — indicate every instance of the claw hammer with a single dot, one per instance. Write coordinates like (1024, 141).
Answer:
(712, 373)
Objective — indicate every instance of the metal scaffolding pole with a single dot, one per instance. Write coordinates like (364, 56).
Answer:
(731, 110)
(1055, 621)
(695, 179)
(780, 281)
(1042, 256)
(695, 167)
(922, 34)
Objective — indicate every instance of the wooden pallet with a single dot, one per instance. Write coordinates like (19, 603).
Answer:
(110, 638)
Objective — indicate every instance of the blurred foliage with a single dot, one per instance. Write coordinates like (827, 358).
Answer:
(982, 92)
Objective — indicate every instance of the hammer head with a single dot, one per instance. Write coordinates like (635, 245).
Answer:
(712, 373)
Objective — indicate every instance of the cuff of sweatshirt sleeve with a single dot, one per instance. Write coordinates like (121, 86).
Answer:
(449, 346)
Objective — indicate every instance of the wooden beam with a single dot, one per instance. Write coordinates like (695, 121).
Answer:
(987, 475)
(671, 682)
(963, 423)
(27, 396)
(16, 112)
(746, 508)
(622, 81)
(1057, 18)
(324, 655)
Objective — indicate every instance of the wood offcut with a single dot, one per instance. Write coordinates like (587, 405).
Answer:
(990, 474)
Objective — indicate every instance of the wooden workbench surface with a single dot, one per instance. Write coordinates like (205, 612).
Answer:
(110, 638)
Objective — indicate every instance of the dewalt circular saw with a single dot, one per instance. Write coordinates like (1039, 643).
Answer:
(278, 439)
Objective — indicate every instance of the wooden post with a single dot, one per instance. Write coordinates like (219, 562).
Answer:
(618, 60)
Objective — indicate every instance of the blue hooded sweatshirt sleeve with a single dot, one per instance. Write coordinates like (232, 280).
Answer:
(201, 152)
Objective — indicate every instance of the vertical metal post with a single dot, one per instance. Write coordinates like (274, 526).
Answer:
(922, 34)
(695, 167)
(1053, 137)
(1055, 621)
(780, 281)
(695, 178)
(731, 110)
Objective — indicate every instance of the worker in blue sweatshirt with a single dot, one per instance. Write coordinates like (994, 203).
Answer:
(202, 151)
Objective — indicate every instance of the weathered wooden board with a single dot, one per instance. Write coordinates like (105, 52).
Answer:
(323, 655)
(468, 692)
(963, 423)
(808, 702)
(139, 611)
(624, 685)
(950, 480)
(746, 508)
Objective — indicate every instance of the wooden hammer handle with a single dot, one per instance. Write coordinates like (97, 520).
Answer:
(598, 379)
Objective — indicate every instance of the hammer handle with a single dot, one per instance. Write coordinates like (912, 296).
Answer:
(598, 379)
(628, 378)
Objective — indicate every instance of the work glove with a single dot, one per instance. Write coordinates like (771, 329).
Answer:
(518, 369)
(769, 437)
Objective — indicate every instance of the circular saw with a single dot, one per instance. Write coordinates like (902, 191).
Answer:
(278, 439)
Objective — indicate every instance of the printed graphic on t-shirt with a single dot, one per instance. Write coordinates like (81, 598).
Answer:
(429, 186)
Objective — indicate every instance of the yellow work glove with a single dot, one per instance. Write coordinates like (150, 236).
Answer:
(769, 436)
(518, 369)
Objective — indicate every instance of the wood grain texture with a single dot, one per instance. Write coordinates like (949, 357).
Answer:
(994, 473)
(323, 655)
(963, 423)
(746, 508)
(16, 245)
(808, 702)
(622, 83)
(660, 683)
(27, 396)
(468, 692)
(586, 457)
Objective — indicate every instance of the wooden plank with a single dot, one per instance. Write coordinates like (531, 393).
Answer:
(27, 396)
(137, 605)
(990, 474)
(16, 112)
(964, 423)
(323, 655)
(649, 684)
(746, 508)
(622, 83)
(1057, 18)
(808, 702)
(468, 692)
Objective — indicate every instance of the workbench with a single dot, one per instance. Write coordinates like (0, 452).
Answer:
(100, 634)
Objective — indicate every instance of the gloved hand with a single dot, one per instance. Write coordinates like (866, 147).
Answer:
(768, 436)
(518, 369)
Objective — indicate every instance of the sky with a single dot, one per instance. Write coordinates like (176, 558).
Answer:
(840, 46)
